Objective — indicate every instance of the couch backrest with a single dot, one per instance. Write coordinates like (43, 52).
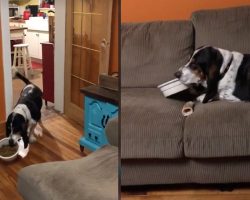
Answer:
(152, 52)
(225, 28)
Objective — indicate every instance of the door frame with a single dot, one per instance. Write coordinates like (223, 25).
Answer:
(60, 17)
(4, 12)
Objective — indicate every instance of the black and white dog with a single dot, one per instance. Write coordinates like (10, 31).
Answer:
(224, 74)
(26, 114)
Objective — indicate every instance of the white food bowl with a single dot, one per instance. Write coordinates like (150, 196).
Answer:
(172, 87)
(5, 141)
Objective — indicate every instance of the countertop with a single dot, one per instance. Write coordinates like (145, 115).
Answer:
(15, 28)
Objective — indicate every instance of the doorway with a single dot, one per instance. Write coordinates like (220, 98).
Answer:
(87, 49)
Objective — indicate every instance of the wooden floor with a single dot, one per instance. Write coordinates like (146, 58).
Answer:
(180, 192)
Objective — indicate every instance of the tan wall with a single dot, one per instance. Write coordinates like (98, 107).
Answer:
(149, 10)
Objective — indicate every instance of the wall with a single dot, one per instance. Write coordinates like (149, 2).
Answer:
(150, 10)
(6, 60)
(2, 102)
(114, 39)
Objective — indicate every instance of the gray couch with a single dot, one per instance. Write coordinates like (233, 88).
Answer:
(93, 177)
(158, 144)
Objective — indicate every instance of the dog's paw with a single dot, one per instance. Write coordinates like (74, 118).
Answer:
(201, 98)
(38, 133)
(32, 139)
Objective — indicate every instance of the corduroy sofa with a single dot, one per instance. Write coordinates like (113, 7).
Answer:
(158, 144)
(93, 177)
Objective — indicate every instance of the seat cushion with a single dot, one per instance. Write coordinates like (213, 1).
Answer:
(151, 125)
(94, 177)
(225, 28)
(218, 129)
(152, 52)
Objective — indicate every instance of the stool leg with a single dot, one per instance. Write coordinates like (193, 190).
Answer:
(25, 63)
(29, 60)
(15, 57)
(19, 50)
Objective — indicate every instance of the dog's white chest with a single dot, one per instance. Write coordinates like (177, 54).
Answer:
(227, 83)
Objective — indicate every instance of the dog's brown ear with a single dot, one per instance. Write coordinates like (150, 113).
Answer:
(213, 78)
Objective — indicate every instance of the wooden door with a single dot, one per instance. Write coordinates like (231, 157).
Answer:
(87, 49)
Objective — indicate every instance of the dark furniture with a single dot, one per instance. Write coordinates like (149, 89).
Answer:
(48, 72)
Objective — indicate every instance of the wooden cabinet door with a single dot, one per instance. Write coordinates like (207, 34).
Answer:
(87, 49)
(31, 38)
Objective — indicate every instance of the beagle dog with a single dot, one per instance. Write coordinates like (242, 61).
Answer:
(26, 114)
(224, 74)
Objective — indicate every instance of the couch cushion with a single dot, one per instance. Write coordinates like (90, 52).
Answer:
(152, 52)
(218, 129)
(225, 28)
(151, 125)
(94, 177)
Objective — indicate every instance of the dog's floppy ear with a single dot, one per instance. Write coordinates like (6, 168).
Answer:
(8, 125)
(24, 135)
(213, 76)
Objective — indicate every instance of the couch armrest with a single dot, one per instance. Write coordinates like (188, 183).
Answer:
(112, 131)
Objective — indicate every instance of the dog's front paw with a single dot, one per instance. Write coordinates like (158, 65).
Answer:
(32, 139)
(38, 133)
(201, 98)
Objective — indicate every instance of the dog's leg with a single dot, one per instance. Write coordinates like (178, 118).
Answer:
(32, 138)
(201, 98)
(31, 133)
(227, 95)
(38, 133)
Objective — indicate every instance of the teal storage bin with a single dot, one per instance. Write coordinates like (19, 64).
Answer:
(96, 116)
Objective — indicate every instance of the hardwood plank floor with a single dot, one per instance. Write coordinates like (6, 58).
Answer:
(59, 142)
(200, 192)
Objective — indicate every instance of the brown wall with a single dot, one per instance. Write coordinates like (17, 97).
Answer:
(114, 40)
(2, 103)
(150, 10)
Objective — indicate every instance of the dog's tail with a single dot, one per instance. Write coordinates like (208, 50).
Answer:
(23, 78)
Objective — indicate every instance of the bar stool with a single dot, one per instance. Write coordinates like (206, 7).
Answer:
(22, 57)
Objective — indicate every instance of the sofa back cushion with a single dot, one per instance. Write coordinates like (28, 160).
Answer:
(152, 52)
(225, 28)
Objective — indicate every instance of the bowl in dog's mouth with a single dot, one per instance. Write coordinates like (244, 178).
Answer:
(8, 153)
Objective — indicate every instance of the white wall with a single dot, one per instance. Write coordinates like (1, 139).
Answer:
(4, 12)
(60, 20)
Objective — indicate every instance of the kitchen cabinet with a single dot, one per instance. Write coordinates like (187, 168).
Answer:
(34, 39)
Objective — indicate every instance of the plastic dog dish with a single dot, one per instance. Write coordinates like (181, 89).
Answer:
(5, 142)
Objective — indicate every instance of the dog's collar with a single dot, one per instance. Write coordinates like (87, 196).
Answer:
(228, 66)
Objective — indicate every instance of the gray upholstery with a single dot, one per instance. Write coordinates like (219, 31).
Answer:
(216, 137)
(225, 28)
(173, 171)
(93, 177)
(151, 125)
(112, 131)
(218, 129)
(152, 52)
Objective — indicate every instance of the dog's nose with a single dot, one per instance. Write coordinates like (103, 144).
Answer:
(178, 74)
(11, 142)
